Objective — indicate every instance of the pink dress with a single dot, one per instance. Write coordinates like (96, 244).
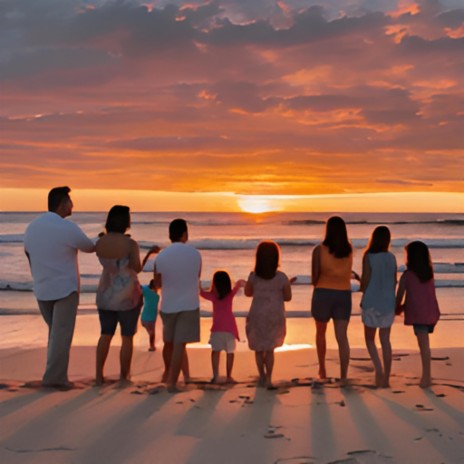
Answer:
(265, 325)
(420, 305)
(223, 317)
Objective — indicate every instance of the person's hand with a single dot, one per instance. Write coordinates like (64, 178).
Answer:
(154, 249)
(293, 279)
(241, 282)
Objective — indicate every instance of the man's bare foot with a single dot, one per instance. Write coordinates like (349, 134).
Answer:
(322, 374)
(230, 380)
(174, 389)
(59, 386)
(99, 381)
(214, 379)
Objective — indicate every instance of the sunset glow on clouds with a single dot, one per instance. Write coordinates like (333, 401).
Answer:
(253, 97)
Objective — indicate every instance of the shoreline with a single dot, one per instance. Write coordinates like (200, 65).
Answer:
(15, 332)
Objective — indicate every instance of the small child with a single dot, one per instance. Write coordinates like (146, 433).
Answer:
(266, 325)
(150, 311)
(224, 330)
(378, 284)
(420, 307)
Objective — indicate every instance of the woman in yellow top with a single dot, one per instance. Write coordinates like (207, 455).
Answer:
(331, 276)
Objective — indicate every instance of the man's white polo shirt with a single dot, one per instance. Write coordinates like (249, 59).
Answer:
(179, 265)
(52, 244)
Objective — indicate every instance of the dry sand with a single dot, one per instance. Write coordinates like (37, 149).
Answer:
(301, 422)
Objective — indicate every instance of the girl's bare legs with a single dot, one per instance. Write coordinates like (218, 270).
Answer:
(321, 346)
(269, 364)
(185, 367)
(369, 337)
(125, 356)
(259, 357)
(152, 341)
(215, 365)
(384, 335)
(230, 365)
(341, 328)
(424, 346)
(103, 348)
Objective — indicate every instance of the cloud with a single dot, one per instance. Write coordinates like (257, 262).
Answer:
(288, 97)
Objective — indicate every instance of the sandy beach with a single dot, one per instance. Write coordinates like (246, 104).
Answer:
(300, 422)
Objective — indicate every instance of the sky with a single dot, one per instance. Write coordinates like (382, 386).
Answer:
(233, 104)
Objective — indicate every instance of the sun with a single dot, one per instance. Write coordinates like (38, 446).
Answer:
(256, 204)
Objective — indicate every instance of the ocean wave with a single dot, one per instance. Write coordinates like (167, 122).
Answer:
(311, 222)
(12, 238)
(301, 280)
(252, 242)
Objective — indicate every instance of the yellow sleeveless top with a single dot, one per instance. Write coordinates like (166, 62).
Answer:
(334, 273)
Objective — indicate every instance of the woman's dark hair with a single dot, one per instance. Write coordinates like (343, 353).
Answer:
(56, 196)
(379, 241)
(418, 260)
(267, 259)
(222, 284)
(336, 237)
(118, 219)
(177, 227)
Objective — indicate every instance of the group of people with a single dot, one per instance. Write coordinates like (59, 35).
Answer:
(52, 243)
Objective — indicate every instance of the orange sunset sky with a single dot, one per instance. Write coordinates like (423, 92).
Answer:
(229, 105)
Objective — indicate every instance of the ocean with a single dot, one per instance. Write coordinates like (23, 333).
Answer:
(228, 241)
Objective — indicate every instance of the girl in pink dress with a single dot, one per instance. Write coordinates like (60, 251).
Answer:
(265, 325)
(417, 288)
(224, 330)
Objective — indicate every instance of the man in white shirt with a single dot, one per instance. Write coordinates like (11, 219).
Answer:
(177, 271)
(51, 244)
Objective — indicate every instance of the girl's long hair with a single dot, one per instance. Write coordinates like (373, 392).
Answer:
(267, 259)
(221, 284)
(418, 260)
(379, 241)
(336, 237)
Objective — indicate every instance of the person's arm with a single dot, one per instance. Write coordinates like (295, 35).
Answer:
(366, 273)
(80, 240)
(316, 265)
(238, 285)
(400, 295)
(134, 257)
(157, 277)
(206, 295)
(28, 257)
(249, 286)
(152, 251)
(287, 290)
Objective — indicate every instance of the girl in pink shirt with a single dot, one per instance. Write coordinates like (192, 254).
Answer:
(224, 330)
(420, 307)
